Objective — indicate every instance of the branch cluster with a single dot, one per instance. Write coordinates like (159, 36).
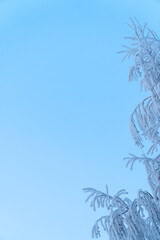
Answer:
(138, 219)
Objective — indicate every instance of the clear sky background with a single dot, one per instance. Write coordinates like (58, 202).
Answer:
(65, 104)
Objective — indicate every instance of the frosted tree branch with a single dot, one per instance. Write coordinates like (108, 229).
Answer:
(138, 219)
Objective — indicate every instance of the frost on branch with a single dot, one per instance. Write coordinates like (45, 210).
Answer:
(145, 51)
(138, 219)
(126, 219)
(152, 166)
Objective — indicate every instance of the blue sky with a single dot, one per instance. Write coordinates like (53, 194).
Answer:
(64, 112)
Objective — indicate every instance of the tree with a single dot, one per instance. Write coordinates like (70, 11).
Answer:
(138, 219)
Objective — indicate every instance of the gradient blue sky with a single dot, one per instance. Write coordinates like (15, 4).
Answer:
(64, 112)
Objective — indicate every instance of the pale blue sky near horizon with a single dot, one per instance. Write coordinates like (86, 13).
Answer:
(65, 104)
